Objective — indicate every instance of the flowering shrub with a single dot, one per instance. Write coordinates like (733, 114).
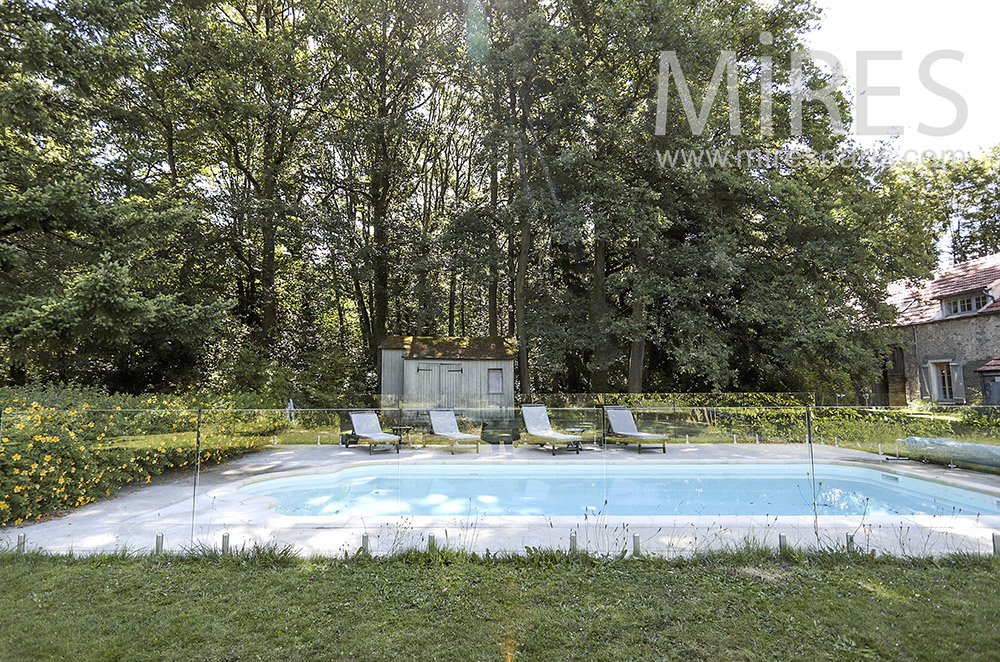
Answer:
(52, 459)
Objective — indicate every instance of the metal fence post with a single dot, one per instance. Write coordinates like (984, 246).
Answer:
(601, 416)
(197, 473)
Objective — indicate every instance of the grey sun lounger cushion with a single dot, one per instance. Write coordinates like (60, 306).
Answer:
(366, 425)
(623, 425)
(444, 425)
(536, 422)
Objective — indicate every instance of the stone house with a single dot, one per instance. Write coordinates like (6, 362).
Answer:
(948, 345)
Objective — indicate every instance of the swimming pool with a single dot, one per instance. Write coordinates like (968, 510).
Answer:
(611, 490)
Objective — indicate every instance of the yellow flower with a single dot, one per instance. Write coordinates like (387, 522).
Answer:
(48, 458)
(15, 456)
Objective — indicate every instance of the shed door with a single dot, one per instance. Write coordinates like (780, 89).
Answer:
(450, 384)
(426, 392)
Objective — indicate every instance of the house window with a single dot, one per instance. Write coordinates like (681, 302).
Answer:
(494, 381)
(965, 305)
(945, 384)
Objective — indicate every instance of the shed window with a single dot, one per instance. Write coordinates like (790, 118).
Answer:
(494, 381)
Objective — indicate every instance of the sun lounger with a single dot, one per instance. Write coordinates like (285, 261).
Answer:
(538, 427)
(623, 427)
(368, 428)
(443, 424)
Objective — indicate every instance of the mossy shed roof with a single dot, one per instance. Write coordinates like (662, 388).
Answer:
(443, 347)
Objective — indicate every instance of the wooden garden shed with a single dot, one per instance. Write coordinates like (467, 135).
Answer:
(424, 372)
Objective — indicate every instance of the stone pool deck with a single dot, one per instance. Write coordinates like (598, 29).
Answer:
(132, 518)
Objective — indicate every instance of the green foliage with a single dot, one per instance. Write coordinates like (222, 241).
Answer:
(961, 196)
(873, 426)
(249, 198)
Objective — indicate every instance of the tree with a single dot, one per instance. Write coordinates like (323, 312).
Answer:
(962, 196)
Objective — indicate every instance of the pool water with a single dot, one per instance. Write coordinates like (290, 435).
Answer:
(399, 489)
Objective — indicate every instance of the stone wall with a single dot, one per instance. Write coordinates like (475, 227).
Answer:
(971, 341)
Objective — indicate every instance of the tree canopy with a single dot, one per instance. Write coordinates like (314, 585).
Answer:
(254, 194)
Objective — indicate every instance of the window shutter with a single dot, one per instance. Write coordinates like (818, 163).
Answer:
(958, 381)
(928, 388)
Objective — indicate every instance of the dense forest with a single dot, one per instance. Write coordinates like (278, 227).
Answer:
(250, 195)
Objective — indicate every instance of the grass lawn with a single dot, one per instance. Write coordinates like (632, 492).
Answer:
(543, 606)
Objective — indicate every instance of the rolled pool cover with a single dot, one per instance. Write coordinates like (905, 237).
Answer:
(950, 451)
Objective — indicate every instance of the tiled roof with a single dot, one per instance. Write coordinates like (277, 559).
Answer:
(433, 347)
(920, 301)
(993, 365)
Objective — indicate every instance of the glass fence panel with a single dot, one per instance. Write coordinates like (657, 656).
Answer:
(447, 472)
(55, 459)
(964, 436)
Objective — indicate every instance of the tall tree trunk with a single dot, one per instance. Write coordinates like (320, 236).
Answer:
(364, 318)
(491, 297)
(520, 281)
(519, 306)
(451, 304)
(461, 310)
(637, 352)
(492, 313)
(268, 299)
(527, 206)
(598, 311)
(268, 207)
(512, 281)
(341, 326)
(380, 239)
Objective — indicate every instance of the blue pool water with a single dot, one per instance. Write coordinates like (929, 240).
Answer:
(616, 490)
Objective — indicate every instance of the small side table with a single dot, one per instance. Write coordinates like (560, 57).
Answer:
(399, 430)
